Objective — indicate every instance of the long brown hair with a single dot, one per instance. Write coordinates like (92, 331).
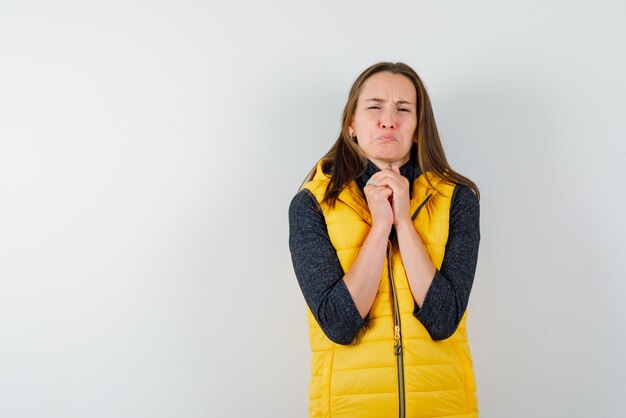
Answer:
(344, 162)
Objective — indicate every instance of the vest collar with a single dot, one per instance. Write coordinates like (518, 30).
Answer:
(352, 195)
(408, 170)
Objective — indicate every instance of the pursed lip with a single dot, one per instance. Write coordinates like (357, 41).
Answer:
(387, 138)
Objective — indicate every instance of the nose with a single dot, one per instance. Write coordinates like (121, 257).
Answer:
(387, 120)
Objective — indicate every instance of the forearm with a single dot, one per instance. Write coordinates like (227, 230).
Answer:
(417, 263)
(363, 277)
(319, 271)
(448, 294)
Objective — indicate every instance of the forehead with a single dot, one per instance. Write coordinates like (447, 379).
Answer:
(386, 86)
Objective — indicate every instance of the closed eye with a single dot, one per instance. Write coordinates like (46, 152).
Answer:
(402, 109)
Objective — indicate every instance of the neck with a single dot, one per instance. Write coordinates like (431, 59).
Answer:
(386, 164)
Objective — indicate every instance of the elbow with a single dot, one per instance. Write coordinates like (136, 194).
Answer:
(444, 328)
(339, 320)
(337, 333)
(441, 334)
(338, 338)
(439, 327)
(339, 330)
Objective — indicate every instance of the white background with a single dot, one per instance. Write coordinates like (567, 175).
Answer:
(149, 151)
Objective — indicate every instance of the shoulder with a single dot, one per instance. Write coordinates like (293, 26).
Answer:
(465, 209)
(464, 197)
(304, 206)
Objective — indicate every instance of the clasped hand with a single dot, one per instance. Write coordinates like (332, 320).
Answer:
(388, 200)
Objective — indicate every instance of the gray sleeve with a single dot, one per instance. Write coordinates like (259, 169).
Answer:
(448, 295)
(319, 272)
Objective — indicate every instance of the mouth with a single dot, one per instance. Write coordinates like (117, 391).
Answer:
(386, 138)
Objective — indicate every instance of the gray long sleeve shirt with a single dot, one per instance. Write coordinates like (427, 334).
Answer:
(320, 274)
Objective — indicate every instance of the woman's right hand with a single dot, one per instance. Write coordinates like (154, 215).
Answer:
(378, 201)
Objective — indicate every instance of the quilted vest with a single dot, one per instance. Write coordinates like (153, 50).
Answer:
(393, 367)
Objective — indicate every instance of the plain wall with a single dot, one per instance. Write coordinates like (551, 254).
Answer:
(149, 151)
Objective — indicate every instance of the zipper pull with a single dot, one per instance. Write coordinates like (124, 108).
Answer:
(398, 346)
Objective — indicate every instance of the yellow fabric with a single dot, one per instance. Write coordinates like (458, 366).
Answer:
(361, 379)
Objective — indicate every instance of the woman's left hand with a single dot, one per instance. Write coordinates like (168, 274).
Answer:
(400, 202)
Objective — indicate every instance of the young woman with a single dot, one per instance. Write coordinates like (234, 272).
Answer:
(384, 240)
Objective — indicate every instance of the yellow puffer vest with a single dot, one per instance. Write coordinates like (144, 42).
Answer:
(393, 368)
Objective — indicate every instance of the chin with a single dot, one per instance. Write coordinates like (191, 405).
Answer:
(389, 158)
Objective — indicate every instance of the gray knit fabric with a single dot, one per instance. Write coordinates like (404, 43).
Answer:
(320, 274)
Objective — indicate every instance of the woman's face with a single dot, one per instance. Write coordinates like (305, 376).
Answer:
(385, 119)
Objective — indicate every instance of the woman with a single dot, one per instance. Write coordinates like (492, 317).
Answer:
(384, 241)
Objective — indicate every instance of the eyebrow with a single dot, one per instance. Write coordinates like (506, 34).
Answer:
(374, 99)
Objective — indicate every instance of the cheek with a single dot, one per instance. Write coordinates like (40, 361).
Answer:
(363, 122)
(410, 127)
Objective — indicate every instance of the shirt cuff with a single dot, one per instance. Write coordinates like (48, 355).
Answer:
(435, 296)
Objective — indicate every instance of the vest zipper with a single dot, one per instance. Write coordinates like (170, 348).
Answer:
(397, 335)
(421, 206)
(397, 326)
